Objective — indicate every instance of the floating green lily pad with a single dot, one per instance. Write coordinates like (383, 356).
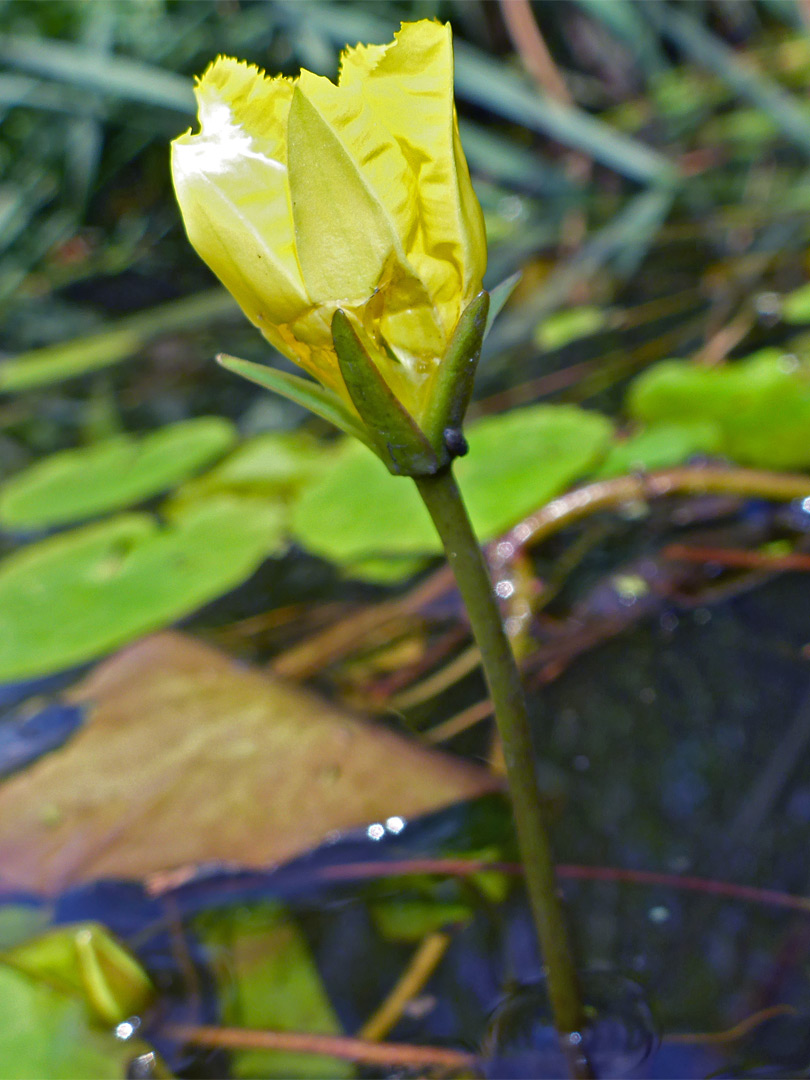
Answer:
(275, 463)
(356, 514)
(761, 405)
(661, 446)
(75, 485)
(72, 597)
(563, 327)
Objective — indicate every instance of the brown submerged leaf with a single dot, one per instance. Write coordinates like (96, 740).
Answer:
(189, 757)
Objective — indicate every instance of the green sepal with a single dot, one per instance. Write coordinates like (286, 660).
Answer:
(453, 384)
(324, 403)
(399, 441)
(498, 297)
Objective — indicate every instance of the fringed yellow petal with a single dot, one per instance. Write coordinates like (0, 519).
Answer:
(407, 92)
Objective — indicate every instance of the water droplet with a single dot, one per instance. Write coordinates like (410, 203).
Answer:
(629, 588)
(375, 831)
(659, 914)
(127, 1028)
(768, 306)
(395, 825)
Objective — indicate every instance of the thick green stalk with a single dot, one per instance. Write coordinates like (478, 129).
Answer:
(443, 499)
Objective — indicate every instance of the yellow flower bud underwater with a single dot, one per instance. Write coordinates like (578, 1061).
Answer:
(304, 197)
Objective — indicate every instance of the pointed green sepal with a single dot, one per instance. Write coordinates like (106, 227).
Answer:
(324, 403)
(399, 441)
(498, 297)
(453, 384)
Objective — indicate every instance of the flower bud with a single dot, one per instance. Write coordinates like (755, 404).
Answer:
(307, 198)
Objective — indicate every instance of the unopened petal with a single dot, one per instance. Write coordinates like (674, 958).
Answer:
(231, 184)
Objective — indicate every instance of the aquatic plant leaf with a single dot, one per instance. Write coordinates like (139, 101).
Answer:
(85, 960)
(267, 978)
(44, 1032)
(189, 757)
(761, 404)
(75, 485)
(661, 446)
(73, 597)
(274, 464)
(410, 919)
(563, 327)
(521, 459)
(796, 305)
(517, 461)
(357, 510)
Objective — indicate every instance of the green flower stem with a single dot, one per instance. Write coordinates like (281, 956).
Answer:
(446, 506)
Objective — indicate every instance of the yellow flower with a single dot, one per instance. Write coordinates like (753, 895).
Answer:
(305, 197)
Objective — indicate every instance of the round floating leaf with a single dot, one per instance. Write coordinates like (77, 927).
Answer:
(761, 404)
(75, 596)
(357, 510)
(661, 446)
(520, 460)
(356, 513)
(78, 484)
(271, 464)
(563, 327)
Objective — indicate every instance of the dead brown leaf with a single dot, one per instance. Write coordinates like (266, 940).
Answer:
(190, 757)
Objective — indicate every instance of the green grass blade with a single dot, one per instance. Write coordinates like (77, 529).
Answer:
(506, 162)
(624, 21)
(623, 241)
(707, 50)
(108, 74)
(66, 360)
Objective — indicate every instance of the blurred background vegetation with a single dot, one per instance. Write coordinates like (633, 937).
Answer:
(644, 170)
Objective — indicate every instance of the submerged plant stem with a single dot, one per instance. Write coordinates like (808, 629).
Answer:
(446, 506)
